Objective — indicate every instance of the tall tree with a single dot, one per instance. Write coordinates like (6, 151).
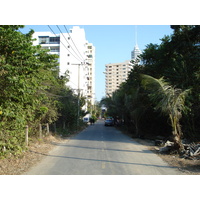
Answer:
(24, 71)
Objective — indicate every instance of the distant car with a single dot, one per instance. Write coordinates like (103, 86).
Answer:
(109, 122)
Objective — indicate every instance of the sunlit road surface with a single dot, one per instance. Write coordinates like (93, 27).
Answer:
(100, 150)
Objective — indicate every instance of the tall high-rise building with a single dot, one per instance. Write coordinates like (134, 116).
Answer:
(116, 73)
(76, 57)
(135, 53)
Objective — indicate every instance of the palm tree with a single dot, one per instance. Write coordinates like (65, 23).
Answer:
(168, 100)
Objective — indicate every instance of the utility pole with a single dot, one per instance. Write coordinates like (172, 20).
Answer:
(78, 95)
(78, 90)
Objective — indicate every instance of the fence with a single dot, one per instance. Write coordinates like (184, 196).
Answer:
(40, 132)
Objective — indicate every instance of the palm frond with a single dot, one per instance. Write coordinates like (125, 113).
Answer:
(165, 97)
(159, 91)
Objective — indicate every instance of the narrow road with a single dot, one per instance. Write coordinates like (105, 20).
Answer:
(100, 150)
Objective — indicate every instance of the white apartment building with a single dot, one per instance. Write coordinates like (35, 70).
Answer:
(90, 53)
(116, 73)
(76, 56)
(48, 41)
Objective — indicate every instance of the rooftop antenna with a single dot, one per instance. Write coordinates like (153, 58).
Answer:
(136, 35)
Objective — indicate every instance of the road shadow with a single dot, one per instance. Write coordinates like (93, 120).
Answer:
(107, 149)
(109, 161)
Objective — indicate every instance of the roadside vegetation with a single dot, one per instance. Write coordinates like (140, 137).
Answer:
(162, 93)
(32, 92)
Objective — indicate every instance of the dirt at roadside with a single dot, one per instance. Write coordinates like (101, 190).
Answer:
(36, 151)
(186, 166)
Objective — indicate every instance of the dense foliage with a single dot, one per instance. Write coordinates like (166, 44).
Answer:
(176, 64)
(31, 91)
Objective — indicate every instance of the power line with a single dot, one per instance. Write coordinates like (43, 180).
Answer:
(64, 45)
(72, 82)
(73, 41)
(69, 44)
(67, 49)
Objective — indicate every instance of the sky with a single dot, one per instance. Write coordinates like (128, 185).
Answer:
(113, 43)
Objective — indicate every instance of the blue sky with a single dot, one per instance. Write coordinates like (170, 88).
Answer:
(113, 43)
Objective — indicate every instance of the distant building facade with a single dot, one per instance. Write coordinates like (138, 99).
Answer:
(115, 74)
(76, 56)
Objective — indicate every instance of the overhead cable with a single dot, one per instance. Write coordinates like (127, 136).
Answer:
(64, 45)
(69, 44)
(67, 49)
(73, 41)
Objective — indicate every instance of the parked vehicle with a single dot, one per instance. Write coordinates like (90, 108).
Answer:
(109, 122)
(86, 118)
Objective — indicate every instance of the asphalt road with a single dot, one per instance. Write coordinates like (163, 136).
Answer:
(100, 150)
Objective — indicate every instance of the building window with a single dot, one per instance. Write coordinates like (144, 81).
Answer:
(43, 39)
(54, 49)
(89, 56)
(68, 38)
(54, 40)
(89, 47)
(46, 48)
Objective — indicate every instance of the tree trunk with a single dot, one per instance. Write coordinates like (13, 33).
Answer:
(177, 134)
(55, 130)
(137, 129)
(64, 126)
